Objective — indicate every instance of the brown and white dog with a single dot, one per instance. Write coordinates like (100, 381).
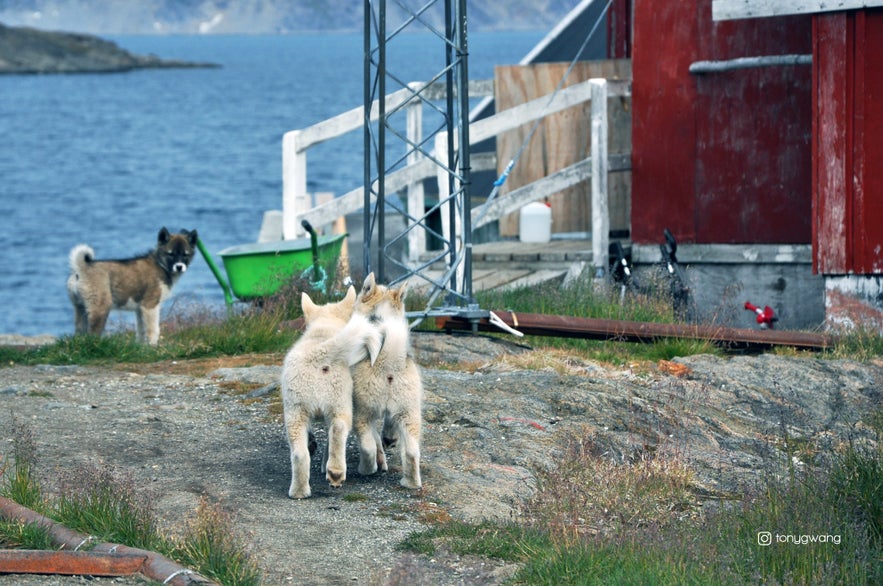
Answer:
(138, 284)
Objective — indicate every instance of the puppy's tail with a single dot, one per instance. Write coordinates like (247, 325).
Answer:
(358, 340)
(81, 256)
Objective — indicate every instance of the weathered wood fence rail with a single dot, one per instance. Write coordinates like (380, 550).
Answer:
(297, 204)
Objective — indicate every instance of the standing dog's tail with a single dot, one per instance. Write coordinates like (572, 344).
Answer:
(359, 339)
(81, 255)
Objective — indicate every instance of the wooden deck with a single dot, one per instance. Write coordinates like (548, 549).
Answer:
(511, 264)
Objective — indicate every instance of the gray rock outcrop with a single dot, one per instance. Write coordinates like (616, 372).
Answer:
(27, 50)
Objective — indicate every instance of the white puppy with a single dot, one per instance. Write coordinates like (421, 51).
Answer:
(390, 389)
(317, 384)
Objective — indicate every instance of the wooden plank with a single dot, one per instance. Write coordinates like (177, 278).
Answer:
(498, 278)
(512, 201)
(733, 9)
(664, 121)
(296, 142)
(561, 140)
(426, 168)
(544, 188)
(482, 279)
(847, 142)
(354, 119)
(832, 181)
(869, 143)
(600, 218)
(535, 278)
(540, 107)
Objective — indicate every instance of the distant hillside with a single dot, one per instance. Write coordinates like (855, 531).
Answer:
(259, 16)
(27, 50)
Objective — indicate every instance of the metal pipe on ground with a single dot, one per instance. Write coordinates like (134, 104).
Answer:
(155, 566)
(629, 331)
(69, 563)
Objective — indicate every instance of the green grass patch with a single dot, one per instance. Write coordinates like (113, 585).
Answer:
(24, 536)
(198, 335)
(18, 479)
(108, 505)
(587, 298)
(594, 521)
(191, 332)
(355, 497)
(861, 343)
(105, 502)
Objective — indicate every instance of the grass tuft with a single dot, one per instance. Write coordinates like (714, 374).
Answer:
(211, 544)
(24, 536)
(588, 494)
(105, 502)
(19, 479)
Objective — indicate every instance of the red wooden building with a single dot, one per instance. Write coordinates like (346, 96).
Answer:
(756, 128)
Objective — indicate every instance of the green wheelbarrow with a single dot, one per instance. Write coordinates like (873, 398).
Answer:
(260, 269)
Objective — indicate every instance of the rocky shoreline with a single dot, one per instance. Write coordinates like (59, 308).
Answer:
(20, 341)
(31, 51)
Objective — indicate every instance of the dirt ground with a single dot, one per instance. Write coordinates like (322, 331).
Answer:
(210, 429)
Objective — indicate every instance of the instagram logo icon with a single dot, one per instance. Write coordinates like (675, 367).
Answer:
(764, 538)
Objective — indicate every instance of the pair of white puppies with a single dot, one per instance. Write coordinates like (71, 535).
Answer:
(351, 369)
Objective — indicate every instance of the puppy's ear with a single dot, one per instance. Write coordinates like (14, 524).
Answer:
(403, 291)
(192, 236)
(368, 285)
(163, 236)
(349, 301)
(309, 308)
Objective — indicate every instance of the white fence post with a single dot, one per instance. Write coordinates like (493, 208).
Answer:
(600, 212)
(295, 200)
(416, 197)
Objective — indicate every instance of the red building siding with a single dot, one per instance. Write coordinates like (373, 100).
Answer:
(848, 142)
(721, 157)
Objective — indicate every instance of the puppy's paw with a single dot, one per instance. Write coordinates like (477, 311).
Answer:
(411, 483)
(335, 478)
(367, 467)
(303, 493)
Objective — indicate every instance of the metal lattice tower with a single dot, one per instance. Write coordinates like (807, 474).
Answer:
(442, 138)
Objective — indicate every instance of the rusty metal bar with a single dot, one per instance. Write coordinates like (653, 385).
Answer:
(70, 563)
(156, 567)
(630, 331)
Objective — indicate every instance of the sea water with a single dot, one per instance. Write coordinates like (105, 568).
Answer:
(109, 159)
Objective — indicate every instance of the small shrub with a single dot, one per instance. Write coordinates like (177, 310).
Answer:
(587, 494)
(211, 545)
(20, 481)
(105, 502)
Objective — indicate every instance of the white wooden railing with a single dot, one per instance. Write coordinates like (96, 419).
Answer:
(297, 205)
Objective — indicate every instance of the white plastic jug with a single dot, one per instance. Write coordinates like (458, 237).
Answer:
(535, 223)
